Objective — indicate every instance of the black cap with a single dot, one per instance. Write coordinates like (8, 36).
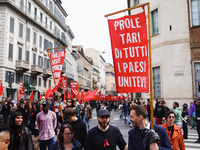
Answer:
(103, 112)
(45, 103)
(197, 100)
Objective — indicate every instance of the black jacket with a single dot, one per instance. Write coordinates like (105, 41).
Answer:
(80, 130)
(25, 143)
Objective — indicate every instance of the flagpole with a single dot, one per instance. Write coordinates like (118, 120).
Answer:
(54, 78)
(126, 9)
(151, 71)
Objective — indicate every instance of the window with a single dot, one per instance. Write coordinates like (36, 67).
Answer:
(50, 25)
(51, 6)
(12, 25)
(49, 83)
(45, 63)
(154, 21)
(20, 53)
(39, 82)
(25, 78)
(48, 64)
(46, 20)
(45, 82)
(34, 58)
(136, 2)
(29, 8)
(45, 44)
(21, 30)
(22, 5)
(34, 38)
(40, 41)
(35, 15)
(27, 55)
(18, 77)
(50, 45)
(34, 81)
(41, 18)
(156, 82)
(39, 60)
(195, 11)
(28, 31)
(46, 3)
(10, 54)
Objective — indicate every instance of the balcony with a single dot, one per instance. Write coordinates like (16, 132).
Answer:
(47, 73)
(36, 70)
(22, 66)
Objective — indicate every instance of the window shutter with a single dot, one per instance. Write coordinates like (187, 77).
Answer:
(30, 80)
(7, 76)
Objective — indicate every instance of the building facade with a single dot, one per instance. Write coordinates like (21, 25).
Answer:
(175, 49)
(99, 61)
(110, 80)
(28, 28)
(84, 70)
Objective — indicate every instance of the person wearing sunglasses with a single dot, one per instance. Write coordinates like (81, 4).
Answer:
(174, 132)
(66, 139)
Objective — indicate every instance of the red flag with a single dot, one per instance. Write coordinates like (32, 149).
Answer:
(40, 96)
(91, 95)
(49, 93)
(31, 96)
(64, 96)
(74, 89)
(21, 88)
(17, 95)
(130, 53)
(1, 88)
(57, 59)
(82, 94)
(63, 83)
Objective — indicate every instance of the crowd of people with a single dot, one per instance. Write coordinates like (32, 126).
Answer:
(33, 125)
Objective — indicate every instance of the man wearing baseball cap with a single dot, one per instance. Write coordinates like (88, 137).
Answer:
(104, 136)
(46, 123)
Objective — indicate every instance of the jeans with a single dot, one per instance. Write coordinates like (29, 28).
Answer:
(192, 121)
(125, 115)
(86, 120)
(49, 143)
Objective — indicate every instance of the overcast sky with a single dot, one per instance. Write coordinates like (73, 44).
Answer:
(90, 27)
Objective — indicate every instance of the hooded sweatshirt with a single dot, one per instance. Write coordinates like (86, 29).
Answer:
(177, 112)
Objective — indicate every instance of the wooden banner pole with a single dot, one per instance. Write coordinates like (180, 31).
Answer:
(54, 78)
(150, 68)
(126, 9)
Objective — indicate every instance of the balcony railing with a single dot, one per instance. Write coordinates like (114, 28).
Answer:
(22, 65)
(35, 69)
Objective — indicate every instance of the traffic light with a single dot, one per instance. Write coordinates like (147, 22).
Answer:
(11, 77)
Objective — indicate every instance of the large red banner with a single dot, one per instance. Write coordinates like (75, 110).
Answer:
(63, 83)
(57, 59)
(130, 53)
(74, 89)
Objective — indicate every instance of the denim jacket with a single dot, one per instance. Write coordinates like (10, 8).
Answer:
(76, 146)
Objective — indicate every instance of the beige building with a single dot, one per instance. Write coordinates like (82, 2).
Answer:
(27, 29)
(110, 79)
(175, 49)
(84, 70)
(99, 61)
